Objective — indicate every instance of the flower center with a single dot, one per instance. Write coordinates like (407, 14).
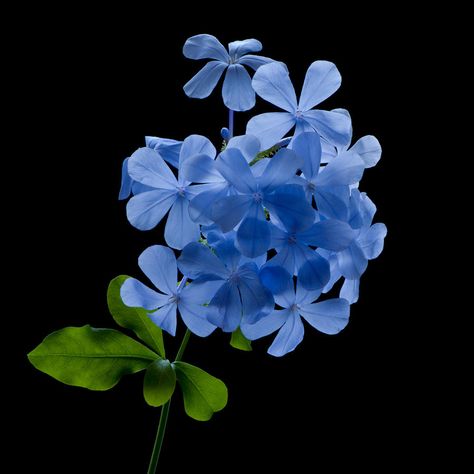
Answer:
(298, 113)
(311, 186)
(291, 239)
(257, 197)
(234, 277)
(294, 308)
(181, 190)
(173, 299)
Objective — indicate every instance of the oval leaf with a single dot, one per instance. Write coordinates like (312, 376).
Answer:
(160, 382)
(135, 319)
(203, 394)
(91, 358)
(239, 341)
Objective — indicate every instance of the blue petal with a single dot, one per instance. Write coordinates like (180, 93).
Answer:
(226, 308)
(196, 145)
(238, 48)
(334, 127)
(237, 90)
(308, 146)
(330, 234)
(304, 296)
(254, 61)
(126, 184)
(147, 167)
(233, 166)
(347, 168)
(287, 297)
(145, 210)
(291, 206)
(275, 278)
(281, 168)
(165, 318)
(200, 206)
(321, 81)
(352, 262)
(289, 336)
(136, 295)
(285, 258)
(279, 237)
(203, 83)
(248, 145)
(197, 260)
(228, 254)
(158, 263)
(200, 168)
(367, 208)
(193, 316)
(229, 211)
(203, 47)
(200, 291)
(350, 290)
(167, 148)
(345, 112)
(331, 257)
(270, 127)
(272, 83)
(369, 149)
(266, 325)
(180, 229)
(255, 297)
(371, 241)
(314, 271)
(329, 317)
(333, 202)
(138, 188)
(253, 235)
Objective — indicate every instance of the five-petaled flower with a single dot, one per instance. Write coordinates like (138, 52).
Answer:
(237, 90)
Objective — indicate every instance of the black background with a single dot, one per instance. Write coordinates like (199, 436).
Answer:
(106, 81)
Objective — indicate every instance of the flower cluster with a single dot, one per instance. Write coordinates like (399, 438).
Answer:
(268, 225)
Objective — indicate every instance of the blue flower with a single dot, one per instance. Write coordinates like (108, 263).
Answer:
(351, 262)
(294, 253)
(158, 263)
(255, 192)
(328, 184)
(202, 168)
(237, 90)
(329, 317)
(146, 209)
(272, 83)
(240, 290)
(367, 148)
(167, 148)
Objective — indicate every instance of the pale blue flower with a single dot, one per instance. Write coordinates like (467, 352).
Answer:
(272, 83)
(237, 90)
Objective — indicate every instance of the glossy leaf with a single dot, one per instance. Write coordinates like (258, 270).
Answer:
(135, 319)
(160, 382)
(91, 358)
(203, 394)
(239, 341)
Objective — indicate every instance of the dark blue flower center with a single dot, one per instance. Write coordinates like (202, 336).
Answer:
(311, 186)
(234, 277)
(181, 190)
(298, 114)
(291, 239)
(173, 299)
(257, 197)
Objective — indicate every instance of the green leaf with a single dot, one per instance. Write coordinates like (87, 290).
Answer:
(160, 382)
(239, 341)
(91, 358)
(203, 394)
(135, 319)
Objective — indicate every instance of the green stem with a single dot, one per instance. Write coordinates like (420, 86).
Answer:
(160, 434)
(183, 345)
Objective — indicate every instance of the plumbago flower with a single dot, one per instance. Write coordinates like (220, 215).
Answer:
(237, 90)
(261, 232)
